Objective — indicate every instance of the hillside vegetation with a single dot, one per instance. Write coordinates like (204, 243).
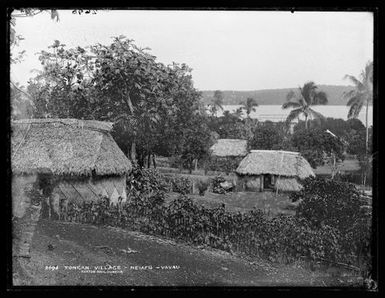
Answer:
(274, 96)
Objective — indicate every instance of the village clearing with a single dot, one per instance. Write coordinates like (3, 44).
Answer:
(142, 259)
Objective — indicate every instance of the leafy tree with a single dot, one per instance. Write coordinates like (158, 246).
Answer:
(227, 126)
(339, 205)
(361, 95)
(317, 146)
(121, 83)
(266, 137)
(197, 142)
(250, 106)
(21, 103)
(303, 100)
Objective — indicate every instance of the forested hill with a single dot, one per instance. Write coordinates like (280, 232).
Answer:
(274, 96)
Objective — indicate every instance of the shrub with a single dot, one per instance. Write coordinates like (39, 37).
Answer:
(223, 164)
(216, 182)
(337, 205)
(180, 185)
(202, 187)
(309, 235)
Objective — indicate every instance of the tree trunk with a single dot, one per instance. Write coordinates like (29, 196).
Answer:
(305, 121)
(154, 161)
(149, 160)
(133, 152)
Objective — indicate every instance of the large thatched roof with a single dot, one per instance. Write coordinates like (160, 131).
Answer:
(66, 147)
(283, 163)
(229, 147)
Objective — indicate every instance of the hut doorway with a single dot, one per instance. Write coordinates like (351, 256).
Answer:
(268, 182)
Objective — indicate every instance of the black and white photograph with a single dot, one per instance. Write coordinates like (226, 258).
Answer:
(192, 148)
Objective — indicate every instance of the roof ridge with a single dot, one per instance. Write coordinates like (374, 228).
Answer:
(102, 126)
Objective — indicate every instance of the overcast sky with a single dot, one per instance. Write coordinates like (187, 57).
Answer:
(227, 50)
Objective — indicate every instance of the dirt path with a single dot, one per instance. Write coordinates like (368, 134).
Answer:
(143, 261)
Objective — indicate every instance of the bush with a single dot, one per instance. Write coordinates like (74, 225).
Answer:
(315, 232)
(223, 164)
(216, 182)
(180, 185)
(202, 187)
(326, 203)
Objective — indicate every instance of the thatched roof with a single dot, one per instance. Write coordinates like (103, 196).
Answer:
(229, 147)
(283, 163)
(66, 147)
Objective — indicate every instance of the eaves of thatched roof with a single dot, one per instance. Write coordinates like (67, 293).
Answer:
(283, 163)
(229, 147)
(66, 147)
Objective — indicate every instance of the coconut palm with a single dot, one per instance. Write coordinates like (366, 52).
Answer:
(216, 102)
(302, 101)
(238, 112)
(361, 95)
(249, 106)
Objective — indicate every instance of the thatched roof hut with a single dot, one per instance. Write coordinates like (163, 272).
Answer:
(81, 155)
(279, 169)
(229, 148)
(66, 147)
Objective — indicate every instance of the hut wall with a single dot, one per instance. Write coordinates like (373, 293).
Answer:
(248, 183)
(20, 201)
(287, 184)
(25, 215)
(78, 191)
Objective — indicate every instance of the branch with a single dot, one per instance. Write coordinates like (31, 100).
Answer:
(21, 90)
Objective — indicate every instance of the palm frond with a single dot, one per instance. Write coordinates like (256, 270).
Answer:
(316, 115)
(355, 81)
(355, 109)
(307, 92)
(349, 94)
(354, 100)
(292, 115)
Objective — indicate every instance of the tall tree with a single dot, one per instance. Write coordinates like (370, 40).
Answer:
(249, 106)
(303, 100)
(216, 103)
(361, 95)
(121, 83)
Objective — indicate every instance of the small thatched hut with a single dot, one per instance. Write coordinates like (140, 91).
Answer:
(226, 154)
(79, 158)
(61, 160)
(270, 169)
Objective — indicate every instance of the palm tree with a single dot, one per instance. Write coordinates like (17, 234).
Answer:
(238, 112)
(249, 106)
(361, 95)
(302, 102)
(216, 102)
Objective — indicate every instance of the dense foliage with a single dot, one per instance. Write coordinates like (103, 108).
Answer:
(223, 164)
(148, 101)
(180, 185)
(339, 205)
(216, 183)
(317, 146)
(268, 136)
